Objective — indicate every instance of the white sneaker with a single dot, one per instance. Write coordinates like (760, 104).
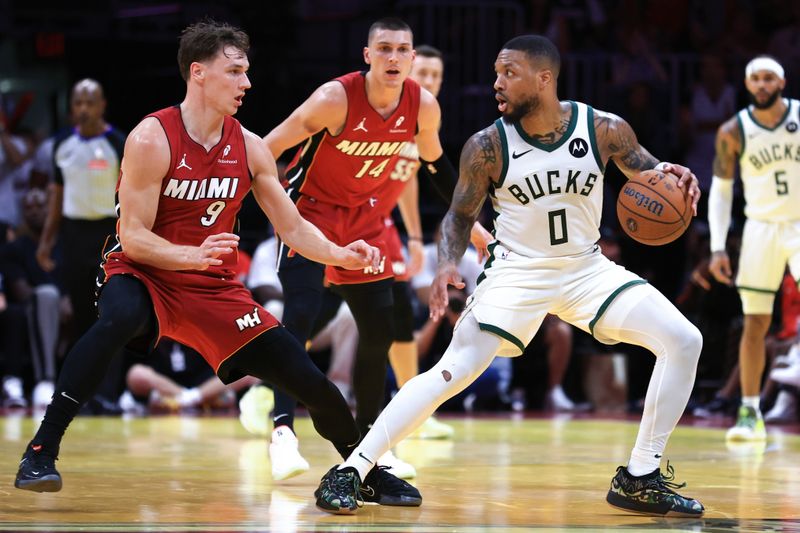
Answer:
(557, 400)
(398, 467)
(789, 375)
(129, 405)
(784, 410)
(284, 455)
(15, 396)
(254, 409)
(43, 393)
(432, 429)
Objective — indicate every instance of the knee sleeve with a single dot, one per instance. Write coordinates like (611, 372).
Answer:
(125, 309)
(300, 309)
(302, 296)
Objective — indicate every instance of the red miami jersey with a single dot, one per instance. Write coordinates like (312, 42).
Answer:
(202, 192)
(369, 162)
(209, 310)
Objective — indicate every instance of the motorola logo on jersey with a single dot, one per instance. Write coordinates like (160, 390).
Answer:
(578, 147)
(791, 127)
(192, 189)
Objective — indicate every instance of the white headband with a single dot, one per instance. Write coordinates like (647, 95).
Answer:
(763, 63)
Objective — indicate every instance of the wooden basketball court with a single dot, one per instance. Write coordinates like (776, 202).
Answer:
(507, 473)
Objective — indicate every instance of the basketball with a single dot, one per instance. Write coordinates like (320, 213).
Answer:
(652, 209)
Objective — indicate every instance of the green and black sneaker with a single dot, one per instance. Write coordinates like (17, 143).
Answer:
(338, 491)
(651, 494)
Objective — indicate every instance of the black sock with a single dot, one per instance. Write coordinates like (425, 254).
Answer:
(58, 416)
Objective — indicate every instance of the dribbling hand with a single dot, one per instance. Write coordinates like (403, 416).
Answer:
(358, 254)
(207, 254)
(686, 180)
(446, 274)
(720, 267)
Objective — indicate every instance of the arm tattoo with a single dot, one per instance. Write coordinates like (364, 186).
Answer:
(619, 142)
(479, 162)
(725, 149)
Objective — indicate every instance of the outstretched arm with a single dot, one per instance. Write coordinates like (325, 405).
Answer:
(293, 229)
(480, 164)
(326, 108)
(617, 141)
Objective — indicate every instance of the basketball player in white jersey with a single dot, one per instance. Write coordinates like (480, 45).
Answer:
(542, 165)
(764, 140)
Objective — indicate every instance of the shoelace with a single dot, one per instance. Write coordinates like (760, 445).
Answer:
(665, 481)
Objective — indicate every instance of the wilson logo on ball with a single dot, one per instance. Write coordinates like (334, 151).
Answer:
(643, 200)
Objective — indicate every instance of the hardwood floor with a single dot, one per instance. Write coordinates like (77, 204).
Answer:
(514, 474)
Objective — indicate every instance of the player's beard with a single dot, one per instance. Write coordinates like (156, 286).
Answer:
(515, 113)
(765, 105)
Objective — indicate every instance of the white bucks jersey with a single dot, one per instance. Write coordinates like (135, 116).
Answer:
(549, 197)
(770, 166)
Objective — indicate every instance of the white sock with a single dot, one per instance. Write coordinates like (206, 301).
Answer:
(469, 354)
(657, 325)
(752, 401)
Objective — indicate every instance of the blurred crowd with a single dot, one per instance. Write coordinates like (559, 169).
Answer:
(51, 235)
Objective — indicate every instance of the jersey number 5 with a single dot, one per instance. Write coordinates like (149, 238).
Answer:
(212, 213)
(781, 186)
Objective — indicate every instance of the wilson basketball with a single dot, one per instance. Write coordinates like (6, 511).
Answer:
(652, 209)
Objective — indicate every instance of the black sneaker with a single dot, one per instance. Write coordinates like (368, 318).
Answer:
(387, 489)
(37, 471)
(651, 494)
(338, 491)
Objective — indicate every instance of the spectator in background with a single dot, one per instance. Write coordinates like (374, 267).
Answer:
(12, 321)
(14, 151)
(176, 377)
(35, 290)
(82, 208)
(713, 100)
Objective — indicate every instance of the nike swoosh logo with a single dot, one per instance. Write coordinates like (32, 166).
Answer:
(34, 473)
(369, 491)
(68, 397)
(365, 458)
(658, 456)
(515, 155)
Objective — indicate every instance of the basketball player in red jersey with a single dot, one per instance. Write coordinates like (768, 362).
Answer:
(185, 172)
(365, 134)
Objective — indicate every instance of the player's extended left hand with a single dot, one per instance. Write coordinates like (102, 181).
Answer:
(686, 180)
(480, 239)
(358, 254)
(446, 274)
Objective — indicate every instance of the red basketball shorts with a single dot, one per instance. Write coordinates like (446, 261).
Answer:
(213, 315)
